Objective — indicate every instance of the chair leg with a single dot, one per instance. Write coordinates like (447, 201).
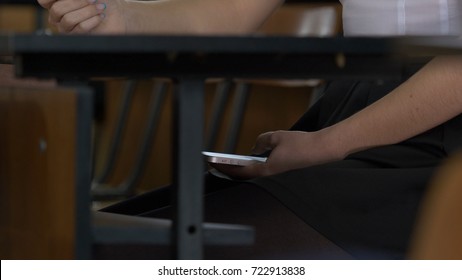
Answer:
(217, 114)
(157, 102)
(124, 108)
(239, 106)
(127, 187)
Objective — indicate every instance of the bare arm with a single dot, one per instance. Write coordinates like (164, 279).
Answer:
(429, 98)
(199, 16)
(162, 16)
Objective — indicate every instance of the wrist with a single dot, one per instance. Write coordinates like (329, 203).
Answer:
(335, 146)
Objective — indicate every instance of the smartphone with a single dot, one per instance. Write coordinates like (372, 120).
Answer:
(232, 159)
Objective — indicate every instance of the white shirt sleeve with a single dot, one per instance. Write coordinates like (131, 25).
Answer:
(402, 17)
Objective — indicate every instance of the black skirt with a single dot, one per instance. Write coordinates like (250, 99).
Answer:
(368, 202)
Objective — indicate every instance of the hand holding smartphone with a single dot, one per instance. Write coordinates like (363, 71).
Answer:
(232, 159)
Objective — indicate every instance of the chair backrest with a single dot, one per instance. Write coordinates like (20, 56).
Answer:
(43, 185)
(303, 20)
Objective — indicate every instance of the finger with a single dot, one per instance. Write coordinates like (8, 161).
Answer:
(46, 3)
(71, 20)
(265, 142)
(242, 172)
(88, 25)
(62, 7)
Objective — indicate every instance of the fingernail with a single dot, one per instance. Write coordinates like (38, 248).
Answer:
(101, 6)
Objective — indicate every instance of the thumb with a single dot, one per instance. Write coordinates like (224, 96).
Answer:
(265, 142)
(46, 3)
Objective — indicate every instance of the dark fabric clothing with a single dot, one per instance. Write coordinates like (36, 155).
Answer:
(231, 203)
(366, 203)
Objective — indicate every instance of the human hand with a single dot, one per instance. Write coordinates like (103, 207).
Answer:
(86, 16)
(289, 150)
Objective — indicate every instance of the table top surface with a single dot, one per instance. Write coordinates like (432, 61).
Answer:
(21, 43)
(24, 43)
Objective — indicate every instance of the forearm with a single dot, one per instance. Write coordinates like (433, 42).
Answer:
(197, 16)
(429, 98)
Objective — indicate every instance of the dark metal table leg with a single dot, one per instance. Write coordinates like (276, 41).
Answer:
(83, 230)
(188, 168)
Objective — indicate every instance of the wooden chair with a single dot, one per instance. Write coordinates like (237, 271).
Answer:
(101, 189)
(44, 206)
(438, 235)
